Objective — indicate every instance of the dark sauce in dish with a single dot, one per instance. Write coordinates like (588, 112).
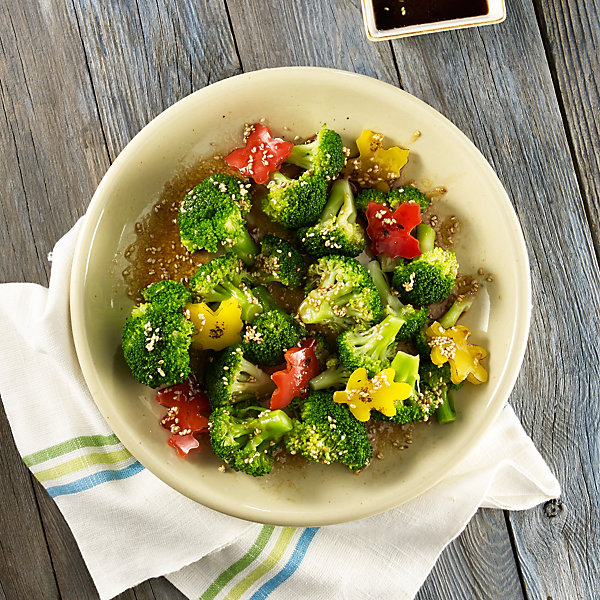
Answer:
(391, 14)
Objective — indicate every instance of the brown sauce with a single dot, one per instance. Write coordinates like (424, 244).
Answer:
(390, 14)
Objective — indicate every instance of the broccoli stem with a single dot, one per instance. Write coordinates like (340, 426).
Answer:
(426, 237)
(340, 204)
(264, 297)
(280, 179)
(250, 307)
(251, 380)
(383, 287)
(336, 376)
(406, 368)
(246, 248)
(301, 155)
(459, 306)
(445, 411)
(388, 264)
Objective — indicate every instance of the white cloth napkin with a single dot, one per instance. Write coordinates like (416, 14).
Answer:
(130, 526)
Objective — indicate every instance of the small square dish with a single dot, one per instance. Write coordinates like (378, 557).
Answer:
(390, 19)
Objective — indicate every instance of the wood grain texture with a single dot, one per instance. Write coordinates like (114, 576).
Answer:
(50, 137)
(278, 33)
(144, 56)
(480, 563)
(571, 31)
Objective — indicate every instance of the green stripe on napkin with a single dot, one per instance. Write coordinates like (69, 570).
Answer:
(83, 441)
(237, 567)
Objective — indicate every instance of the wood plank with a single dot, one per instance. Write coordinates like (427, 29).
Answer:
(279, 33)
(55, 152)
(144, 56)
(506, 104)
(22, 542)
(480, 563)
(572, 33)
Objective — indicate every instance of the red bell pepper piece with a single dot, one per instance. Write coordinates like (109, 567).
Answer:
(261, 156)
(390, 231)
(187, 416)
(302, 366)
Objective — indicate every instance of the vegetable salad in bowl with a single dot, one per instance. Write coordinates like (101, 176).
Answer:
(320, 298)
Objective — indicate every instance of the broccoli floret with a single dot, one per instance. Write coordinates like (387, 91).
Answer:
(340, 293)
(211, 215)
(244, 437)
(393, 198)
(323, 156)
(373, 348)
(295, 203)
(414, 318)
(167, 293)
(435, 391)
(279, 261)
(336, 232)
(156, 343)
(335, 376)
(269, 336)
(322, 348)
(327, 432)
(223, 278)
(428, 278)
(232, 379)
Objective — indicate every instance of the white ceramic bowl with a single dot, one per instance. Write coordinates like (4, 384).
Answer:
(301, 99)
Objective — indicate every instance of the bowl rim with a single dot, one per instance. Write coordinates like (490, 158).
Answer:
(91, 222)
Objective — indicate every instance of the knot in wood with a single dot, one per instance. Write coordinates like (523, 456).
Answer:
(553, 508)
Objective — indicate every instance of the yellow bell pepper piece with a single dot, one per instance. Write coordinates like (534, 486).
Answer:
(378, 164)
(217, 329)
(450, 345)
(380, 393)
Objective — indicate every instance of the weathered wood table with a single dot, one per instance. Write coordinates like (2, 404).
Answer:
(79, 78)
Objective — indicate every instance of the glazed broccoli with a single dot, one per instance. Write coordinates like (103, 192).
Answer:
(244, 437)
(414, 318)
(211, 215)
(327, 432)
(436, 391)
(340, 293)
(393, 198)
(279, 261)
(295, 203)
(336, 231)
(222, 278)
(167, 293)
(372, 348)
(323, 156)
(428, 278)
(269, 336)
(335, 376)
(156, 341)
(232, 379)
